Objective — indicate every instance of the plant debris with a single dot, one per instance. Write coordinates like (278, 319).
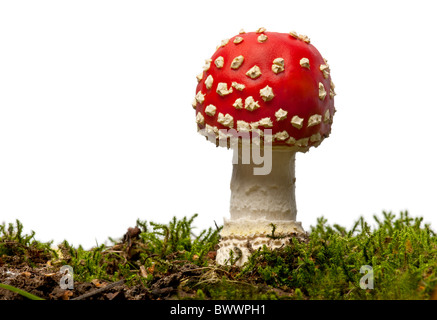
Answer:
(154, 261)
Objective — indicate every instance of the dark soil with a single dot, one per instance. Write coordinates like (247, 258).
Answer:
(43, 280)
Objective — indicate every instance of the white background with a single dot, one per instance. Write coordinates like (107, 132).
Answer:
(97, 128)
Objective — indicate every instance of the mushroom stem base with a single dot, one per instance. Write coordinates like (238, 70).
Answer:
(240, 238)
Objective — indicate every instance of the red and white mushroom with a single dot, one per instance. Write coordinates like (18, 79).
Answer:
(256, 81)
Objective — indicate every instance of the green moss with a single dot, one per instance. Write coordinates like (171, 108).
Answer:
(19, 247)
(401, 250)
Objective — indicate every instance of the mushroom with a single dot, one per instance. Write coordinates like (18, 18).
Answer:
(284, 97)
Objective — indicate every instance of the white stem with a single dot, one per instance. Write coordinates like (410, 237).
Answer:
(270, 196)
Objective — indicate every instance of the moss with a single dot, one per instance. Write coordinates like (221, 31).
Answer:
(17, 247)
(400, 250)
(169, 260)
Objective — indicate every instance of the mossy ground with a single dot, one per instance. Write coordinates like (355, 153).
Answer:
(168, 261)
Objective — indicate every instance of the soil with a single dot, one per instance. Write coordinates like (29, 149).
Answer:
(34, 273)
(43, 280)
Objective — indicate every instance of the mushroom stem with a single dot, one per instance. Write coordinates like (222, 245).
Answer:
(263, 208)
(270, 196)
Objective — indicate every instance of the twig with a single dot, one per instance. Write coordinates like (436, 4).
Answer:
(181, 261)
(90, 294)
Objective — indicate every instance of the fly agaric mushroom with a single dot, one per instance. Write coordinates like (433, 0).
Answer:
(253, 82)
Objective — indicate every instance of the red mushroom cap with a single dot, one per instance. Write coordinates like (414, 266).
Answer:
(267, 80)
